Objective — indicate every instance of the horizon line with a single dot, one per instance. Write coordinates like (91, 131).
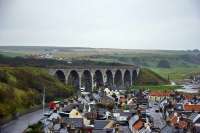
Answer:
(153, 49)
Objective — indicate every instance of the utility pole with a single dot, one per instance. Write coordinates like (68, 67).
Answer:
(43, 100)
(168, 77)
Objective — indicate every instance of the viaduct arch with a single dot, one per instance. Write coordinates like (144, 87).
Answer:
(118, 81)
(90, 77)
(127, 79)
(59, 74)
(74, 79)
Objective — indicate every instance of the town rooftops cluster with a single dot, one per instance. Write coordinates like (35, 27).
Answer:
(181, 112)
(118, 111)
(103, 111)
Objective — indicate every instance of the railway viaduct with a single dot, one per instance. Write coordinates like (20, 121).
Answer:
(90, 76)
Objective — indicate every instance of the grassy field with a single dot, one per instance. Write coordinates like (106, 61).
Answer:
(157, 87)
(177, 73)
(148, 79)
(12, 54)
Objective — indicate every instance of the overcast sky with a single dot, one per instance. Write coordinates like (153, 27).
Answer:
(132, 24)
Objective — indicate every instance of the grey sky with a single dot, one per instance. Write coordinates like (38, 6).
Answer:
(135, 24)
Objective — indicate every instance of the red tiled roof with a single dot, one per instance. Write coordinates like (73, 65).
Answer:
(181, 124)
(173, 119)
(159, 94)
(192, 107)
(188, 96)
(165, 94)
(138, 125)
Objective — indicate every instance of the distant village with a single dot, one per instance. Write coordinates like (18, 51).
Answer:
(47, 54)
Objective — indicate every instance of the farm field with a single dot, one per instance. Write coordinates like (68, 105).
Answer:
(177, 73)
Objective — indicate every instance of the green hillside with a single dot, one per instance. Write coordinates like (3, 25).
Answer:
(148, 77)
(21, 88)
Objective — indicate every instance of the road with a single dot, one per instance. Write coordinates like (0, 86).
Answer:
(20, 124)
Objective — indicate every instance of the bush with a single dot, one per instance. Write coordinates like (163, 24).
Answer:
(35, 128)
(163, 64)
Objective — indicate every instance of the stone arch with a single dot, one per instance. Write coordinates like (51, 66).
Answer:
(86, 80)
(109, 79)
(127, 79)
(98, 79)
(134, 76)
(118, 80)
(60, 75)
(73, 79)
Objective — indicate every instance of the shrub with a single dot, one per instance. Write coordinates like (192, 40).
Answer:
(163, 64)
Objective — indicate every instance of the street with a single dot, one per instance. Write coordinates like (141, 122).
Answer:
(20, 124)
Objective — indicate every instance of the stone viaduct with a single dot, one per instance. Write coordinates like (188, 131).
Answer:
(90, 77)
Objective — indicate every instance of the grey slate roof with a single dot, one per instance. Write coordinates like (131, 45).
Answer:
(192, 116)
(76, 122)
(167, 129)
(124, 129)
(96, 96)
(102, 110)
(128, 114)
(110, 130)
(100, 124)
